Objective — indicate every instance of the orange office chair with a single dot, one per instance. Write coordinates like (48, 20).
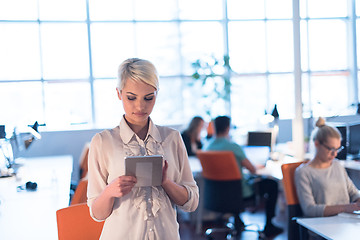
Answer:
(210, 129)
(80, 194)
(295, 231)
(223, 189)
(83, 169)
(75, 223)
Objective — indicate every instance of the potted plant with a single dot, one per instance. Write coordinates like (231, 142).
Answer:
(214, 75)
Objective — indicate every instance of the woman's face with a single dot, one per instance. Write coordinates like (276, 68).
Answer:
(138, 101)
(327, 151)
(200, 127)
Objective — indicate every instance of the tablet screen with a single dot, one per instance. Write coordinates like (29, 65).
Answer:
(146, 169)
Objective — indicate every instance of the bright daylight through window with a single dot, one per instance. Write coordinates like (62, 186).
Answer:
(59, 59)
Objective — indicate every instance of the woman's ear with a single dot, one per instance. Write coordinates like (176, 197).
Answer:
(316, 143)
(118, 91)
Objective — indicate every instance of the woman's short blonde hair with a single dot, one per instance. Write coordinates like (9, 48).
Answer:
(139, 70)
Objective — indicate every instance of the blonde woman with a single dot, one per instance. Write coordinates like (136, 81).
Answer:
(133, 212)
(323, 186)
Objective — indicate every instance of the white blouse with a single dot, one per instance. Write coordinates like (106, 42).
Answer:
(146, 212)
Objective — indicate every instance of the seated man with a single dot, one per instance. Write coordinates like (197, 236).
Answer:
(267, 187)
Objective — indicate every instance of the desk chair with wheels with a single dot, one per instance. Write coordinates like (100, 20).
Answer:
(223, 189)
(295, 231)
(75, 223)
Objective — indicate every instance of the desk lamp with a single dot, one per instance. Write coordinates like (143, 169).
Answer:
(275, 113)
(10, 148)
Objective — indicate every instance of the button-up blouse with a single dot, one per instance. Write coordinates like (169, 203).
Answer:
(146, 212)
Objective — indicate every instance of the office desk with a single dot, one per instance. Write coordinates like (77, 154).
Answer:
(335, 227)
(32, 214)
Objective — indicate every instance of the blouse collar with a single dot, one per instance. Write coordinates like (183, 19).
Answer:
(126, 133)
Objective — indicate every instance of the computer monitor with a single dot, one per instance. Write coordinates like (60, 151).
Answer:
(354, 140)
(2, 131)
(350, 134)
(343, 129)
(258, 155)
(258, 138)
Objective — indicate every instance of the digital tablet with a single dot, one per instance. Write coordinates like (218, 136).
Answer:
(146, 169)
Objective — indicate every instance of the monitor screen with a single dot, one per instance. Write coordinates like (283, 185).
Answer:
(258, 155)
(354, 139)
(258, 138)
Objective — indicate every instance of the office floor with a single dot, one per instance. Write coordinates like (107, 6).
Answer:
(257, 219)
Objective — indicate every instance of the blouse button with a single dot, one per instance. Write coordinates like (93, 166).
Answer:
(150, 229)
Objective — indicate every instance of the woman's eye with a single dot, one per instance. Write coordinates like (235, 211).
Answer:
(149, 98)
(131, 98)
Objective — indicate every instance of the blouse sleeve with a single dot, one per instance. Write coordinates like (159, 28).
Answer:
(305, 194)
(186, 178)
(97, 174)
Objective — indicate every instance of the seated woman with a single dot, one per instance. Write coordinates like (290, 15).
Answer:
(323, 186)
(191, 135)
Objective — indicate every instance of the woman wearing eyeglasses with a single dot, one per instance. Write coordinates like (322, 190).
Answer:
(323, 186)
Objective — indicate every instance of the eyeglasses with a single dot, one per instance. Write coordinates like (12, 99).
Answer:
(333, 150)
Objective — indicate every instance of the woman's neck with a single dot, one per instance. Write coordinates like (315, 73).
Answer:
(319, 163)
(139, 129)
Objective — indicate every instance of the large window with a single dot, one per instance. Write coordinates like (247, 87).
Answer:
(59, 59)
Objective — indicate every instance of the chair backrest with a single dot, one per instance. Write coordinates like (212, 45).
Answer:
(80, 194)
(84, 161)
(292, 201)
(219, 165)
(288, 171)
(222, 181)
(210, 129)
(75, 223)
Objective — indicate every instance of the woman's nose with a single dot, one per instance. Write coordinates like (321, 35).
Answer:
(139, 104)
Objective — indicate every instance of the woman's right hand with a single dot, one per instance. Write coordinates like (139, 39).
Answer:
(352, 207)
(121, 186)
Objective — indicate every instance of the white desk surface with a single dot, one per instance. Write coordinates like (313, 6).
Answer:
(32, 214)
(351, 164)
(335, 227)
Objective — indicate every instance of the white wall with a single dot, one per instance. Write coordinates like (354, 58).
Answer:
(61, 143)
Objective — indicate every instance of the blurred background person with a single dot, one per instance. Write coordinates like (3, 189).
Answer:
(192, 135)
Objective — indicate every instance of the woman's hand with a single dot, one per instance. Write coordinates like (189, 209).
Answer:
(177, 193)
(352, 207)
(103, 204)
(120, 186)
(164, 172)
